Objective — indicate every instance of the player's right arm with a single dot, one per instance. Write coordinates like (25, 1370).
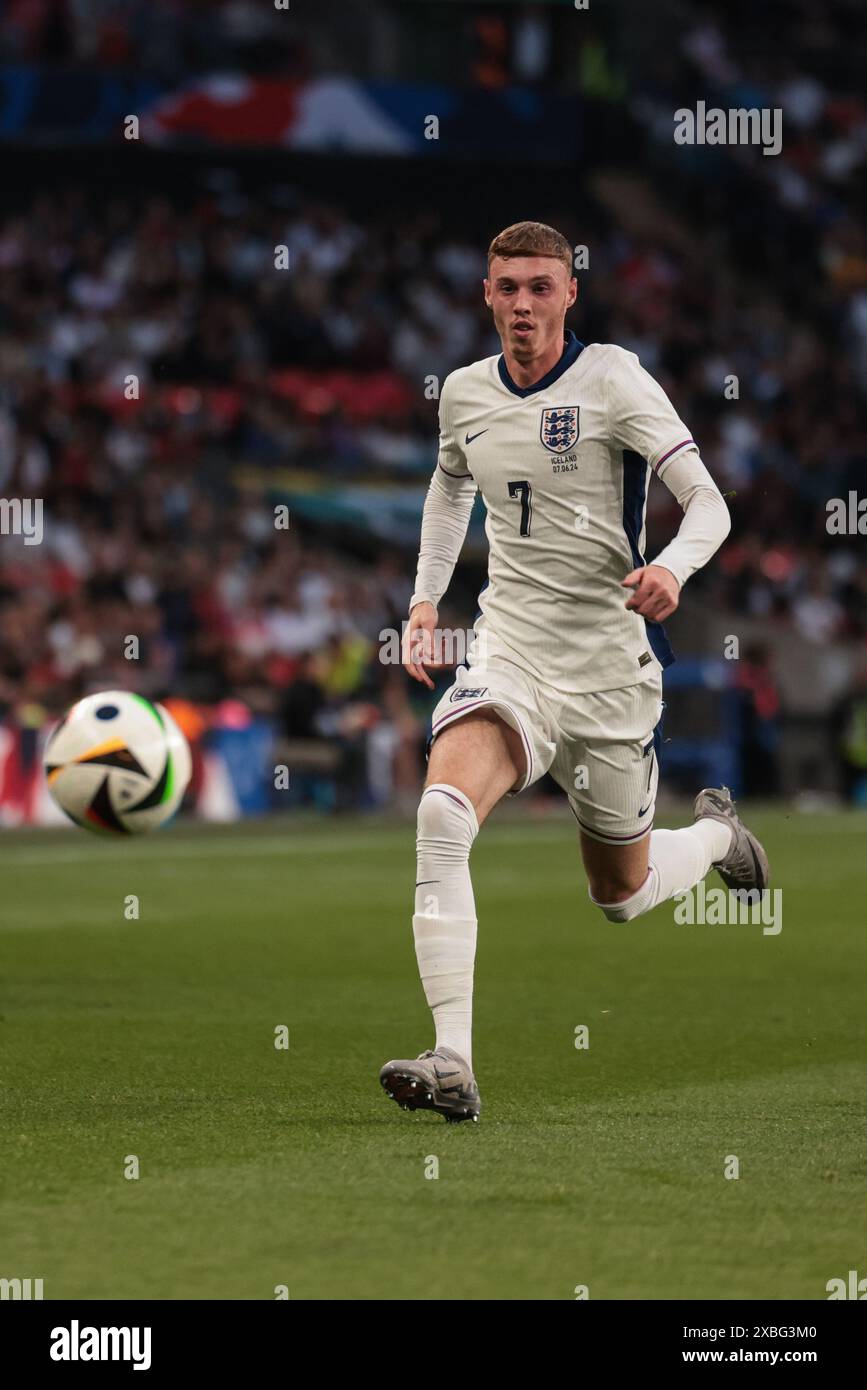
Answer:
(445, 519)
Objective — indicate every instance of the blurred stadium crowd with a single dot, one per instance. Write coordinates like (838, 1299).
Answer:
(159, 503)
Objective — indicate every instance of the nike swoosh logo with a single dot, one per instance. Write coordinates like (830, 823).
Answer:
(444, 1075)
(470, 437)
(645, 811)
(423, 881)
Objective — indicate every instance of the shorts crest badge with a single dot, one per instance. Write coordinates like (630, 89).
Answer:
(559, 428)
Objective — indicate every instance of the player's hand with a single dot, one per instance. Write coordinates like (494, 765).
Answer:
(418, 643)
(656, 592)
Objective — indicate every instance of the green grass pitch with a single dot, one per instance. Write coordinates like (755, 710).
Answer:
(261, 1167)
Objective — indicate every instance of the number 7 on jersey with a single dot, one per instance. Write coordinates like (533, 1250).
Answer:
(524, 491)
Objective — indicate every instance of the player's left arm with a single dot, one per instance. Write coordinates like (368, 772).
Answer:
(706, 523)
(641, 418)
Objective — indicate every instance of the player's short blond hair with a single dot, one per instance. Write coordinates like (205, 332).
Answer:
(532, 239)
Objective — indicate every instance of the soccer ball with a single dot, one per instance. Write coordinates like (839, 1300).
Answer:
(117, 763)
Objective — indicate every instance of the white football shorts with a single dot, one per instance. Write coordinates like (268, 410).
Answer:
(601, 748)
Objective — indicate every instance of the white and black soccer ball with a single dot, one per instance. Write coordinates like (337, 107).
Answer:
(117, 763)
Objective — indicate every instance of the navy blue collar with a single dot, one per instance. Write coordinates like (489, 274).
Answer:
(571, 348)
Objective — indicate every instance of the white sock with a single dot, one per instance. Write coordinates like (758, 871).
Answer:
(444, 924)
(678, 860)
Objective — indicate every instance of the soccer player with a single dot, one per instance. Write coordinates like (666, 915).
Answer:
(564, 671)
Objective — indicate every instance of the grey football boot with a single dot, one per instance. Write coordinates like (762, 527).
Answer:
(438, 1080)
(746, 864)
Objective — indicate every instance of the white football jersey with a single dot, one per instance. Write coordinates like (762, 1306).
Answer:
(563, 468)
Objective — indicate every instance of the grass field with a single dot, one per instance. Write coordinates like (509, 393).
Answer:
(261, 1167)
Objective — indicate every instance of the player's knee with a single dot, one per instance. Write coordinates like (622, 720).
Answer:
(447, 818)
(619, 900)
(622, 911)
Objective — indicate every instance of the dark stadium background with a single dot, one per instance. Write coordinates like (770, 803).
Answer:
(306, 386)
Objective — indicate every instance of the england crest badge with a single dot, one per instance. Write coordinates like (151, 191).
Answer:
(559, 428)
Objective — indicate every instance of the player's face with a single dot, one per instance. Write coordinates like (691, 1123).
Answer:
(529, 296)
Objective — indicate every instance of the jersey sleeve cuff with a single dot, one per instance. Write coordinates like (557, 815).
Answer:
(420, 598)
(670, 453)
(664, 564)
